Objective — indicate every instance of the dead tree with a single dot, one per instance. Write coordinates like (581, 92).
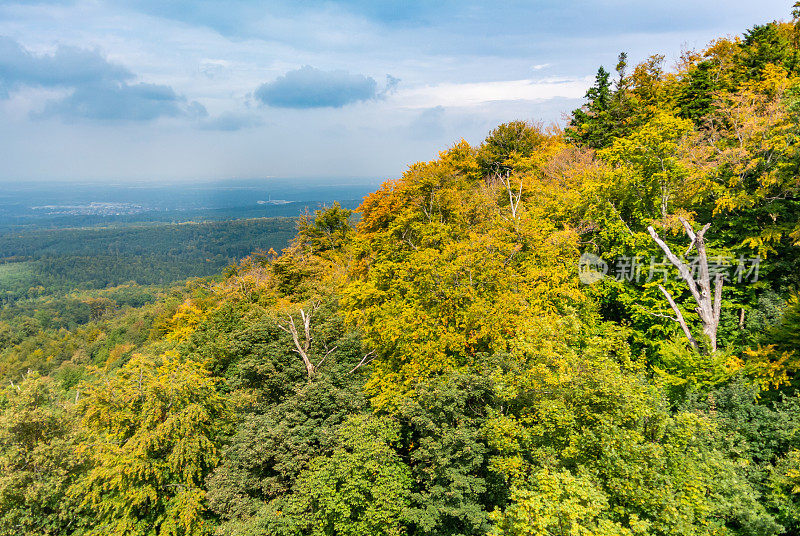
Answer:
(708, 305)
(303, 346)
(514, 197)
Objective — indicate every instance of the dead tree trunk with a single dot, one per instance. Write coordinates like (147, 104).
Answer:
(708, 305)
(514, 195)
(302, 342)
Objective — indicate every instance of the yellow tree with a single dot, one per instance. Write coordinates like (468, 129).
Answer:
(151, 432)
(450, 269)
(750, 148)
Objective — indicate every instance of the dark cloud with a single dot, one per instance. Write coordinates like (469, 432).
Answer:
(67, 67)
(101, 89)
(308, 87)
(230, 122)
(123, 102)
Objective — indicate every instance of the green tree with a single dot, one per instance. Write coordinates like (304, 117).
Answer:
(38, 460)
(152, 433)
(363, 487)
(328, 229)
(609, 443)
(591, 124)
(442, 425)
(556, 502)
(507, 141)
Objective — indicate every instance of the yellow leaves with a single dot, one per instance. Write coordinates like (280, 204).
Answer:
(722, 51)
(251, 280)
(769, 367)
(450, 268)
(773, 83)
(645, 81)
(185, 320)
(749, 131)
(117, 353)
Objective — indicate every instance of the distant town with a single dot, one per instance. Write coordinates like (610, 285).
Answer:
(91, 209)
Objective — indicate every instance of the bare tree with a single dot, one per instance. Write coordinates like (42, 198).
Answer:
(514, 194)
(708, 306)
(303, 346)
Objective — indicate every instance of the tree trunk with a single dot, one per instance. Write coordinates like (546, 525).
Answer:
(708, 305)
(302, 347)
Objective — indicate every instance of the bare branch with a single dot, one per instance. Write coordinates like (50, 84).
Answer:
(326, 355)
(708, 307)
(684, 270)
(679, 317)
(689, 230)
(364, 360)
(514, 198)
(717, 306)
(302, 348)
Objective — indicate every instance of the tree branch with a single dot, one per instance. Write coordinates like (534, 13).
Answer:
(686, 274)
(708, 307)
(364, 361)
(679, 317)
(303, 347)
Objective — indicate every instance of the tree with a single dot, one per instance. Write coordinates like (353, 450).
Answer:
(446, 274)
(590, 124)
(556, 502)
(709, 306)
(650, 178)
(153, 432)
(303, 347)
(38, 460)
(749, 150)
(442, 427)
(328, 229)
(363, 487)
(508, 140)
(786, 333)
(589, 447)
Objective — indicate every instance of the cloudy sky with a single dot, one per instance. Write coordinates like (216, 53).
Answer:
(170, 90)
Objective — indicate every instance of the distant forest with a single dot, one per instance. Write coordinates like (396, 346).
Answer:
(50, 261)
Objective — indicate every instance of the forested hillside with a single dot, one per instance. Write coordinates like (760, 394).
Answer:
(54, 261)
(587, 331)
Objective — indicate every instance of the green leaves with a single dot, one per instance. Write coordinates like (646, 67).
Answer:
(556, 502)
(442, 425)
(588, 448)
(152, 435)
(38, 460)
(508, 141)
(649, 180)
(363, 487)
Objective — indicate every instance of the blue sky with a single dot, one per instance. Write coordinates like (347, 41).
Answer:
(169, 90)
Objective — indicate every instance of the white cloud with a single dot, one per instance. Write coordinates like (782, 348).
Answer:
(474, 94)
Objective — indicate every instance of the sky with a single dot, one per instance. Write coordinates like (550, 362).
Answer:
(179, 90)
